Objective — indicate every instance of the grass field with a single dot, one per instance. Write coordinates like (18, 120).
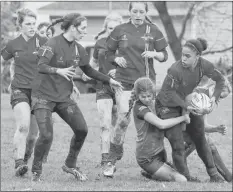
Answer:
(127, 176)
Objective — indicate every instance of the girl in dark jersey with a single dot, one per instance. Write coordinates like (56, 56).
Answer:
(33, 133)
(208, 89)
(105, 96)
(57, 62)
(189, 144)
(24, 50)
(182, 77)
(150, 151)
(138, 42)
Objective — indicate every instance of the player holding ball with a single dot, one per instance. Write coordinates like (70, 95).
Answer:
(181, 79)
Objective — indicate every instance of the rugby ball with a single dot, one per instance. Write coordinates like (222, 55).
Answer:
(198, 100)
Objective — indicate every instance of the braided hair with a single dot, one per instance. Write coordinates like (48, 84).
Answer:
(142, 84)
(68, 20)
(133, 98)
(111, 17)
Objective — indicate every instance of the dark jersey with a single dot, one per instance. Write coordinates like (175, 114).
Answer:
(181, 81)
(149, 138)
(59, 53)
(99, 54)
(130, 43)
(25, 56)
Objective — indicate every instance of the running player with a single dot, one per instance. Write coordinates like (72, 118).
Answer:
(182, 77)
(32, 135)
(57, 62)
(24, 50)
(105, 97)
(138, 42)
(207, 86)
(150, 151)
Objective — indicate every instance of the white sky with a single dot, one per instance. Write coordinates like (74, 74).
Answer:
(35, 5)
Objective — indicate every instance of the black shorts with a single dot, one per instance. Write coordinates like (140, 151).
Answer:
(19, 95)
(105, 93)
(167, 112)
(156, 161)
(41, 103)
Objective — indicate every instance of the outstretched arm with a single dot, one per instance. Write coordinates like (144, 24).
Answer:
(145, 113)
(164, 123)
(214, 128)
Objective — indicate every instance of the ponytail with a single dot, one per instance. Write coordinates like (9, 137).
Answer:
(54, 23)
(131, 103)
(148, 19)
(100, 33)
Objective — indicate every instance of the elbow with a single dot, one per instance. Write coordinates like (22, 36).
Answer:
(161, 125)
(165, 56)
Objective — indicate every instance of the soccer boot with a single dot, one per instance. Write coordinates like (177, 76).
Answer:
(76, 172)
(109, 170)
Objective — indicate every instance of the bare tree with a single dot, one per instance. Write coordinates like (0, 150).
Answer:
(175, 40)
(166, 19)
(8, 28)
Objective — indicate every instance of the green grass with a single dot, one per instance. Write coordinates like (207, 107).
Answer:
(127, 176)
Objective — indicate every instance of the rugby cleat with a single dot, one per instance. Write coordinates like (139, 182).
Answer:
(76, 172)
(36, 177)
(21, 170)
(20, 167)
(109, 170)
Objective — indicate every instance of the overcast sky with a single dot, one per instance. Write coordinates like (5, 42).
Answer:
(35, 5)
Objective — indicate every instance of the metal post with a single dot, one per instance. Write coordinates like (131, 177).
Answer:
(110, 6)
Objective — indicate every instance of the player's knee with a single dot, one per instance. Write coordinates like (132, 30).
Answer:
(212, 147)
(106, 123)
(177, 146)
(47, 137)
(32, 138)
(81, 131)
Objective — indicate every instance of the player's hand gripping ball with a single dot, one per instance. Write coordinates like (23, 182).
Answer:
(199, 103)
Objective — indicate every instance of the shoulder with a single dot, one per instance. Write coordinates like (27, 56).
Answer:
(205, 64)
(140, 110)
(50, 45)
(155, 31)
(138, 106)
(121, 27)
(154, 27)
(205, 61)
(14, 41)
(81, 50)
(53, 41)
(79, 46)
(100, 42)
